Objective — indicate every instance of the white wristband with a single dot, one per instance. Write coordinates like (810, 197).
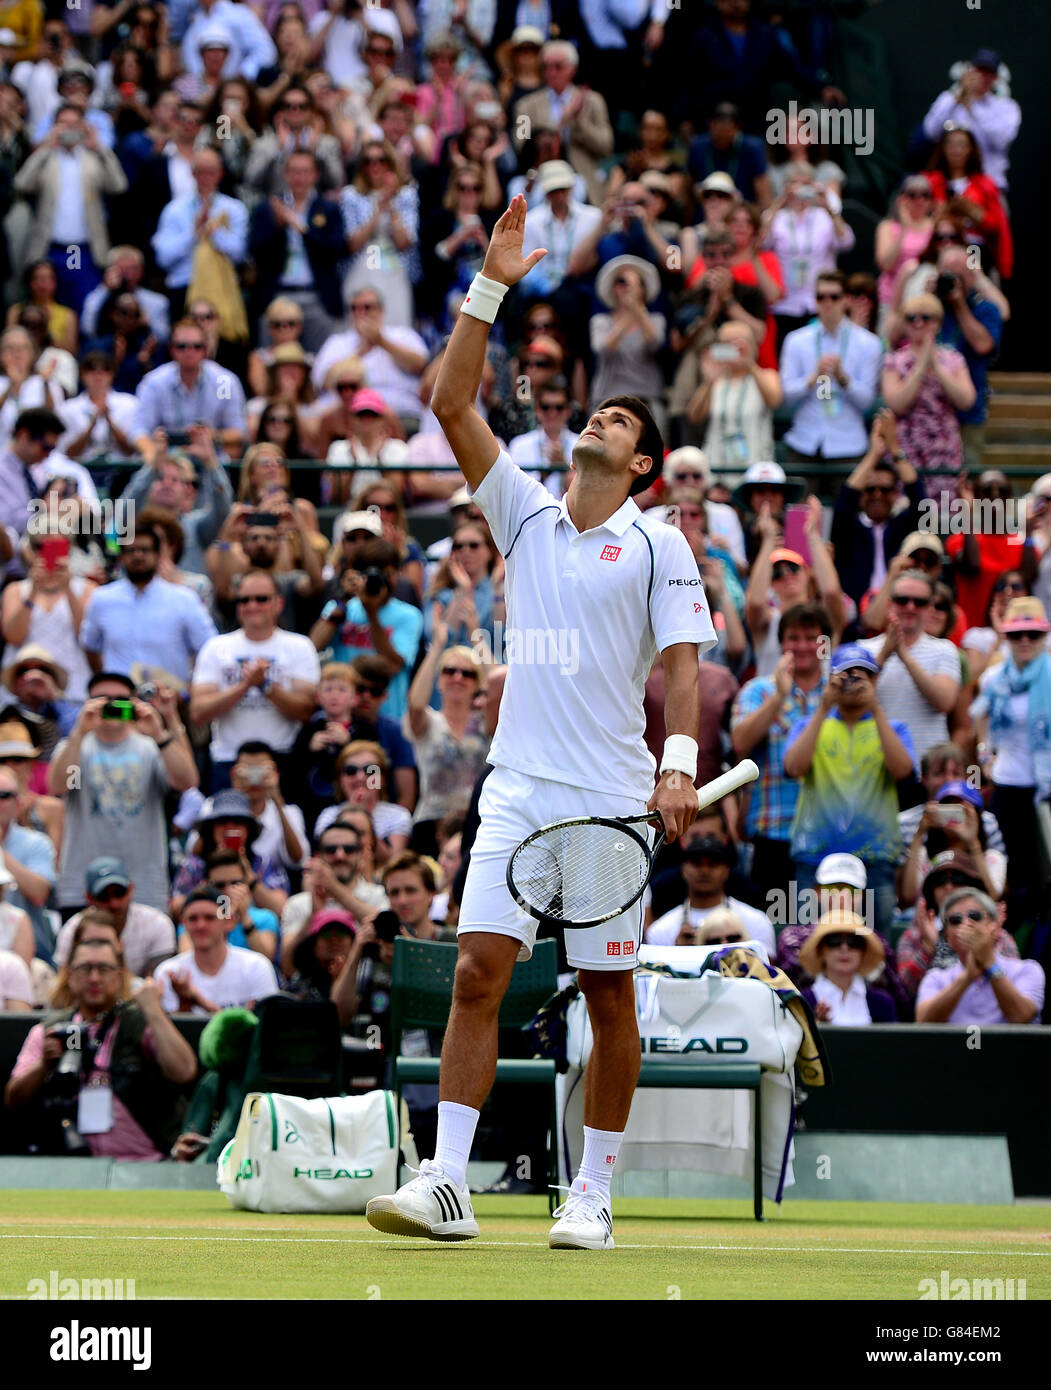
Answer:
(680, 755)
(484, 299)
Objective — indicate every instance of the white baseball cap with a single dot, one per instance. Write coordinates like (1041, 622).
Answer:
(842, 868)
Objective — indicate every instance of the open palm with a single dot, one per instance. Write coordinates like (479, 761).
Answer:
(503, 260)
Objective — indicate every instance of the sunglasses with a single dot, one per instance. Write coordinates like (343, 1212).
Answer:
(783, 569)
(211, 314)
(1013, 586)
(621, 281)
(468, 188)
(958, 918)
(329, 851)
(721, 940)
(363, 308)
(856, 943)
(243, 599)
(540, 362)
(946, 239)
(716, 193)
(348, 385)
(920, 318)
(941, 608)
(94, 969)
(296, 106)
(279, 420)
(376, 691)
(460, 671)
(886, 489)
(188, 347)
(110, 894)
(377, 159)
(285, 323)
(468, 545)
(550, 409)
(685, 474)
(956, 881)
(833, 297)
(7, 795)
(1024, 636)
(908, 600)
(352, 769)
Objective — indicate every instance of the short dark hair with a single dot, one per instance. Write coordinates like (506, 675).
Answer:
(254, 745)
(378, 554)
(835, 275)
(37, 422)
(804, 615)
(339, 825)
(649, 442)
(101, 676)
(221, 859)
(410, 860)
(203, 893)
(96, 358)
(372, 669)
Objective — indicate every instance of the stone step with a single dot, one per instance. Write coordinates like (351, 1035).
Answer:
(1008, 431)
(1026, 383)
(1014, 406)
(1034, 459)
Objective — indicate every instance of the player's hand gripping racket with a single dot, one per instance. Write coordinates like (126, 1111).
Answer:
(582, 872)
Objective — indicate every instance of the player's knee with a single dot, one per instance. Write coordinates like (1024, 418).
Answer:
(610, 994)
(480, 981)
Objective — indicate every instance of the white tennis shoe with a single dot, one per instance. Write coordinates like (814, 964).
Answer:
(585, 1222)
(430, 1205)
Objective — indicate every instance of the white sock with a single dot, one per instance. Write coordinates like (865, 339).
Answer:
(456, 1126)
(601, 1147)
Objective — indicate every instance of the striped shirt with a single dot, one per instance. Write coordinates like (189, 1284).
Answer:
(774, 796)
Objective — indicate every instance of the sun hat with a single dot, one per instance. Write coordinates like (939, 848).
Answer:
(651, 281)
(922, 540)
(718, 183)
(1025, 615)
(229, 805)
(554, 174)
(766, 474)
(32, 654)
(836, 924)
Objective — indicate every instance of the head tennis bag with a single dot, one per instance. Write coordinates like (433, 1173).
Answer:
(297, 1155)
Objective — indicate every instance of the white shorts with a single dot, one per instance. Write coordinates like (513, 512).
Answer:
(512, 805)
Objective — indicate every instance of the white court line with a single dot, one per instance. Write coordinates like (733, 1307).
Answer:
(520, 1244)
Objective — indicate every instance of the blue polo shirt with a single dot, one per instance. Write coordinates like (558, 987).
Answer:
(951, 334)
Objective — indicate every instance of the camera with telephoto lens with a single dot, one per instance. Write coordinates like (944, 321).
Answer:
(375, 581)
(60, 1094)
(386, 926)
(945, 285)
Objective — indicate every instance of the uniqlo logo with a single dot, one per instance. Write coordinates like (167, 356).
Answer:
(610, 552)
(612, 948)
(611, 1159)
(629, 948)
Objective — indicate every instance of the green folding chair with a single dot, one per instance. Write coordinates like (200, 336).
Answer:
(421, 995)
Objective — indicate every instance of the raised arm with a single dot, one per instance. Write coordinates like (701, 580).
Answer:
(460, 375)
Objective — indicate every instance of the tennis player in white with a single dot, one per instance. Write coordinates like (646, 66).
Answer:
(594, 576)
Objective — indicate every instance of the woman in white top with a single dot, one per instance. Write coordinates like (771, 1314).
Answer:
(47, 608)
(807, 230)
(737, 398)
(21, 387)
(450, 749)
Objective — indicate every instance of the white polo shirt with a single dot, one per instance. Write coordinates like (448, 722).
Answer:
(586, 616)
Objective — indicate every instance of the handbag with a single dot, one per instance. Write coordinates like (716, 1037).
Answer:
(215, 279)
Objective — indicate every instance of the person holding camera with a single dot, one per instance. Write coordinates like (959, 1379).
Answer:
(806, 228)
(258, 682)
(252, 539)
(849, 757)
(114, 772)
(69, 174)
(107, 1066)
(363, 618)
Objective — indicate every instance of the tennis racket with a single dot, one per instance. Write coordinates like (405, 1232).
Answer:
(585, 871)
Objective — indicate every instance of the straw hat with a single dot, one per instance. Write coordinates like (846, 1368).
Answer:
(34, 655)
(836, 924)
(1025, 615)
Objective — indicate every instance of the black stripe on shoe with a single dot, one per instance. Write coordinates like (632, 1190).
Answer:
(607, 1218)
(443, 1203)
(454, 1200)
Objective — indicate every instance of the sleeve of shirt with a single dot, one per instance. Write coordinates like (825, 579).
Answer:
(162, 975)
(1031, 981)
(207, 669)
(946, 662)
(749, 699)
(31, 1053)
(508, 497)
(407, 629)
(259, 46)
(933, 982)
(15, 980)
(173, 238)
(231, 413)
(232, 239)
(307, 663)
(902, 730)
(678, 605)
(989, 316)
(200, 628)
(90, 633)
(262, 977)
(160, 940)
(796, 729)
(794, 373)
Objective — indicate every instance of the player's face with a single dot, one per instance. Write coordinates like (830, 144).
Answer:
(609, 443)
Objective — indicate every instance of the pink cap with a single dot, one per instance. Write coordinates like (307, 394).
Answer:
(368, 400)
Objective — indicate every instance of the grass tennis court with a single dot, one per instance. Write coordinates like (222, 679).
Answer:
(193, 1245)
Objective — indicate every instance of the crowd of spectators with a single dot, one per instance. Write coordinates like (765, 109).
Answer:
(248, 710)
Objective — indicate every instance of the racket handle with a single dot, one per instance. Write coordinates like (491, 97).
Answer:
(738, 776)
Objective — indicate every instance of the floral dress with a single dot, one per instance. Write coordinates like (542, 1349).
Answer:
(930, 431)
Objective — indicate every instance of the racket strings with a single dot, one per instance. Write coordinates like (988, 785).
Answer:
(581, 872)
